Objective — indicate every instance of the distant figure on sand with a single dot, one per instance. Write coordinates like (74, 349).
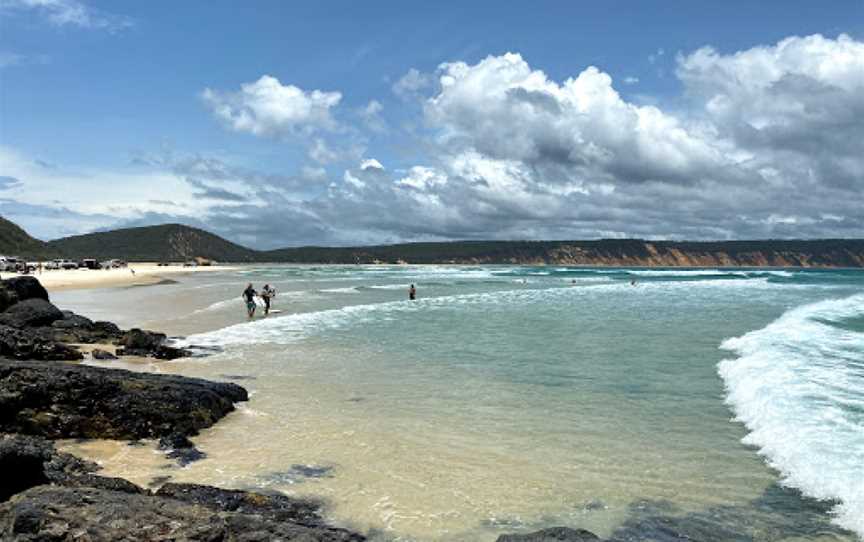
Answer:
(249, 294)
(412, 293)
(266, 294)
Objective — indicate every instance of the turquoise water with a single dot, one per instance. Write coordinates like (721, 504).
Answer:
(641, 404)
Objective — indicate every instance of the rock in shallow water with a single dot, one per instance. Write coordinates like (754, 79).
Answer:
(552, 534)
(57, 400)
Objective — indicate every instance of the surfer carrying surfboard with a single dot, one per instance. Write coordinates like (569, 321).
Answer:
(249, 294)
(266, 294)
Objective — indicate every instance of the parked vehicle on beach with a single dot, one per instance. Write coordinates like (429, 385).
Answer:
(113, 264)
(53, 264)
(11, 264)
(68, 264)
(89, 263)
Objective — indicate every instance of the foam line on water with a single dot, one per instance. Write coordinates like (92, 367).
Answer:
(797, 386)
(289, 328)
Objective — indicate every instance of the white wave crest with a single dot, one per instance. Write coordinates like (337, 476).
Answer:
(798, 386)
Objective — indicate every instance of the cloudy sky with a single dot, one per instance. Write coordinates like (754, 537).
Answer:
(288, 123)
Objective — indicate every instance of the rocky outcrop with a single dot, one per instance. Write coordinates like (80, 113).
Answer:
(55, 496)
(32, 328)
(137, 342)
(552, 534)
(67, 513)
(76, 401)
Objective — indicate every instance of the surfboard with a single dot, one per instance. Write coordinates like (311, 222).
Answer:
(275, 311)
(259, 302)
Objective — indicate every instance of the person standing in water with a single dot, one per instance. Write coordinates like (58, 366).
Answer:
(266, 294)
(249, 294)
(412, 293)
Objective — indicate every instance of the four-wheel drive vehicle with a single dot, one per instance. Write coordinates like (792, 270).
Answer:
(89, 263)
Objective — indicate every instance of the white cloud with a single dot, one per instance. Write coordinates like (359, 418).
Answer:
(266, 107)
(371, 163)
(769, 145)
(371, 115)
(69, 13)
(412, 83)
(793, 108)
(631, 80)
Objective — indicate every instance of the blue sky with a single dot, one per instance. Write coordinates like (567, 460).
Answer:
(103, 109)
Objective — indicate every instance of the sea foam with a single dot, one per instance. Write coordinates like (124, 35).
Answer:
(798, 386)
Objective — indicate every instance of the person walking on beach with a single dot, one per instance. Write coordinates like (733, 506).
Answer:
(266, 294)
(249, 294)
(412, 293)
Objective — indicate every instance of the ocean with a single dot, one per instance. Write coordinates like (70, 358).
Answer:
(640, 404)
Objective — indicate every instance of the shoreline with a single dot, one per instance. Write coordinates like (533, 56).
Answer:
(145, 274)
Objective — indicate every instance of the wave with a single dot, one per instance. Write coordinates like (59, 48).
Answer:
(798, 386)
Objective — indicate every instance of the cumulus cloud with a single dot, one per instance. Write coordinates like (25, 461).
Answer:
(412, 84)
(266, 107)
(769, 145)
(794, 109)
(68, 13)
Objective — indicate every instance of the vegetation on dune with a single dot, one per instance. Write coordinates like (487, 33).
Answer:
(180, 243)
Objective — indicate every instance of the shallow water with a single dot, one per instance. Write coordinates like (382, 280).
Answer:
(511, 398)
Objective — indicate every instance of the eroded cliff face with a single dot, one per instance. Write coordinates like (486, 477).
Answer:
(650, 254)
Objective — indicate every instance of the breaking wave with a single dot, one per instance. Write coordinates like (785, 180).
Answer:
(798, 386)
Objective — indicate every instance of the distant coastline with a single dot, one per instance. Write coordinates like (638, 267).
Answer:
(178, 243)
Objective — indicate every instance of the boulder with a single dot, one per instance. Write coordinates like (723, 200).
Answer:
(98, 353)
(30, 313)
(59, 400)
(21, 289)
(34, 344)
(137, 339)
(552, 534)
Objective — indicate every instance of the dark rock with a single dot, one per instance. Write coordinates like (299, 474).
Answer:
(28, 461)
(75, 328)
(173, 441)
(30, 313)
(67, 513)
(137, 339)
(33, 344)
(72, 401)
(184, 456)
(169, 352)
(22, 464)
(274, 507)
(553, 534)
(71, 320)
(107, 328)
(98, 353)
(21, 289)
(180, 448)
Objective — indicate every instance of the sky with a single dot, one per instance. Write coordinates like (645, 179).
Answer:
(341, 122)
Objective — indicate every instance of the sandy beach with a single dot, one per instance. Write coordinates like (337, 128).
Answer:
(135, 274)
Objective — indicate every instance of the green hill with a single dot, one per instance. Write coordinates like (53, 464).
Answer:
(176, 242)
(14, 241)
(165, 243)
